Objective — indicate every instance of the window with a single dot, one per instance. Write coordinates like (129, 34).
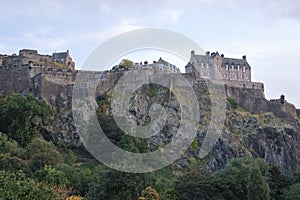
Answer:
(225, 75)
(202, 65)
(227, 67)
(238, 68)
(236, 76)
(230, 75)
(160, 67)
(244, 69)
(242, 77)
(232, 67)
(207, 65)
(207, 73)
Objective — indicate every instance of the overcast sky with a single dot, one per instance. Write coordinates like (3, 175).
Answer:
(268, 32)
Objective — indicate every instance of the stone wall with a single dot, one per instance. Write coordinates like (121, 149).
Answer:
(246, 85)
(25, 58)
(254, 101)
(14, 79)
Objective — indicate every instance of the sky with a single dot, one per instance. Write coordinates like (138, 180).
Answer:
(268, 32)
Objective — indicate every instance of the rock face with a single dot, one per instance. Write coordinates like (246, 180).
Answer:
(263, 135)
(250, 130)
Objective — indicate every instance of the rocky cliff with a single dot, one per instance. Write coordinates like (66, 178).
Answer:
(250, 129)
(263, 134)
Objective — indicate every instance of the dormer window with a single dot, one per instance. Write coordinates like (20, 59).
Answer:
(227, 67)
(232, 67)
(238, 67)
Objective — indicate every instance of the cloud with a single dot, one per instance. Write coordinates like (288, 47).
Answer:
(123, 26)
(168, 16)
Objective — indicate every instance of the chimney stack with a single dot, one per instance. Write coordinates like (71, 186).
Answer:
(244, 57)
(192, 53)
(222, 55)
(207, 53)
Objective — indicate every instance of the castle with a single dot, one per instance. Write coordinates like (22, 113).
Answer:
(52, 77)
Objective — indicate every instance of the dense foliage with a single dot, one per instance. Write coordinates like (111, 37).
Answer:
(22, 116)
(32, 168)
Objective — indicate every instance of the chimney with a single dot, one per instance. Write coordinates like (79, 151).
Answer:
(222, 55)
(244, 57)
(192, 53)
(207, 53)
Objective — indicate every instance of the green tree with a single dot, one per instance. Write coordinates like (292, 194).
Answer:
(17, 186)
(22, 116)
(10, 147)
(292, 192)
(277, 182)
(52, 176)
(257, 187)
(126, 63)
(12, 163)
(195, 184)
(78, 178)
(112, 184)
(170, 194)
(41, 153)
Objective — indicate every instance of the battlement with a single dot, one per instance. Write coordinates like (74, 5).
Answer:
(28, 56)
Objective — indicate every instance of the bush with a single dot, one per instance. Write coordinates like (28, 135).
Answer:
(17, 186)
(232, 103)
(9, 147)
(12, 164)
(21, 117)
(41, 153)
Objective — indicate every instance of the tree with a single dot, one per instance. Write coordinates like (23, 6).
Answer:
(112, 184)
(10, 147)
(277, 182)
(41, 153)
(52, 176)
(195, 184)
(292, 192)
(22, 116)
(170, 194)
(257, 187)
(17, 186)
(126, 63)
(149, 194)
(12, 163)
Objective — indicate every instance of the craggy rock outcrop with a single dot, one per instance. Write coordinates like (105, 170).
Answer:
(262, 135)
(269, 135)
(275, 140)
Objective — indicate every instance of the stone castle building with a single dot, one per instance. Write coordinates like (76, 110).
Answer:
(216, 66)
(52, 77)
(160, 66)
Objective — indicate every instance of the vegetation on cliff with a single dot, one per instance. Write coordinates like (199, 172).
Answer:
(31, 167)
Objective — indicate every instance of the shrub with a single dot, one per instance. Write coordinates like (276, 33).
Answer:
(232, 103)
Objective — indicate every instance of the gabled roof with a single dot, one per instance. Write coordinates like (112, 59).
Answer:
(209, 57)
(201, 58)
(161, 61)
(235, 61)
(60, 55)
